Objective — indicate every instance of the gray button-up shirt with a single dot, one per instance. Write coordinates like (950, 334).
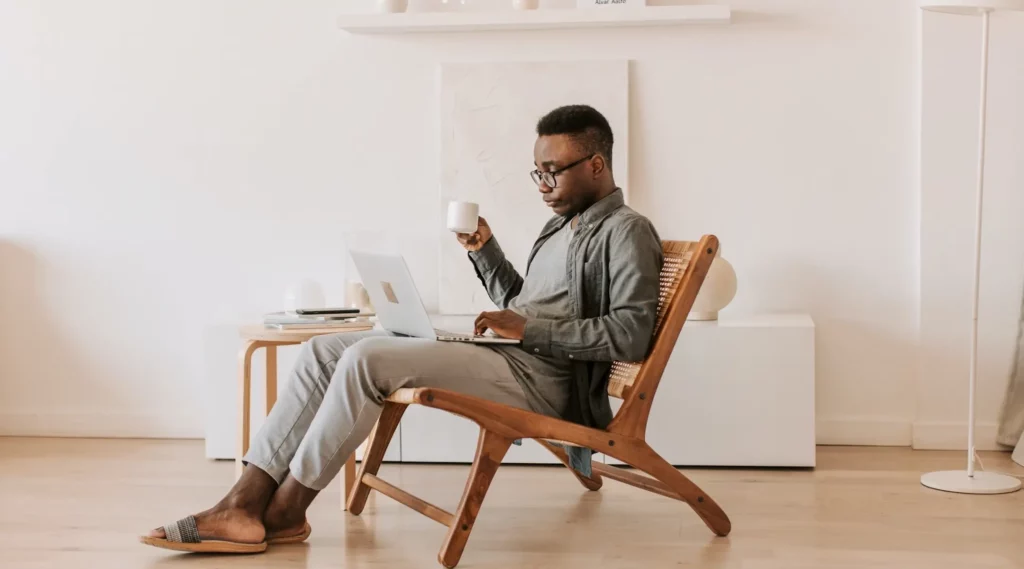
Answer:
(613, 265)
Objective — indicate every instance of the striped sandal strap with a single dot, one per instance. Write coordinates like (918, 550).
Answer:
(183, 531)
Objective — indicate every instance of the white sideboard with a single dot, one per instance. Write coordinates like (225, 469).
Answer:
(736, 392)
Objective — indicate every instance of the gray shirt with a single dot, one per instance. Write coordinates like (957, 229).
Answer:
(613, 267)
(545, 294)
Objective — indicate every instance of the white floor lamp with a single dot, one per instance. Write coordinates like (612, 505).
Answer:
(968, 481)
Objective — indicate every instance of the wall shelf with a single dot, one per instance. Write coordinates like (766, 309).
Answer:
(427, 22)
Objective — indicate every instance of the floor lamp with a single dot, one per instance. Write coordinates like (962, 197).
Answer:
(968, 481)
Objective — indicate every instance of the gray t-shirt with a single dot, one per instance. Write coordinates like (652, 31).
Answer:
(545, 294)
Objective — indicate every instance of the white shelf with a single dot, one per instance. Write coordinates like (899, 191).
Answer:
(420, 22)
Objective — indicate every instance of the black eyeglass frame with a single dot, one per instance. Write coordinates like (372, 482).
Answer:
(550, 178)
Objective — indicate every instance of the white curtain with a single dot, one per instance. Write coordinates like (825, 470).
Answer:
(1011, 424)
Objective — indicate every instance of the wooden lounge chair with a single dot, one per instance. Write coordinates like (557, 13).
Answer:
(686, 265)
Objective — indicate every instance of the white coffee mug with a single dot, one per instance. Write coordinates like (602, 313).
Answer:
(463, 217)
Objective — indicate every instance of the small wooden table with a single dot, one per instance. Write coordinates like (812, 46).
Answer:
(257, 336)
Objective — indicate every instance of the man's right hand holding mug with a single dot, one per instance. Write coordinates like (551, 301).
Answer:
(475, 241)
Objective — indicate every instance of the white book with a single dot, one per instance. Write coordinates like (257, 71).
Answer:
(321, 324)
(290, 318)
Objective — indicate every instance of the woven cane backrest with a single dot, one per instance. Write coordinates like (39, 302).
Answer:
(677, 258)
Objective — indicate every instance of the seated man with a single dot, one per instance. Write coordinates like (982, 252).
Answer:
(590, 297)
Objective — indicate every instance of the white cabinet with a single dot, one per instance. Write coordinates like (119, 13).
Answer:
(432, 435)
(736, 392)
(394, 452)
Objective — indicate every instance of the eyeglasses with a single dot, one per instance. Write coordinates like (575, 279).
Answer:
(549, 177)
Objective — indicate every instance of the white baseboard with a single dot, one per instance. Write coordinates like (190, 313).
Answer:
(952, 435)
(867, 431)
(178, 425)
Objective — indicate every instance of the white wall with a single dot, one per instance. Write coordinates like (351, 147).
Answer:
(951, 62)
(166, 169)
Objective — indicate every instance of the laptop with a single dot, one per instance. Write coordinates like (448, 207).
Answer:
(398, 304)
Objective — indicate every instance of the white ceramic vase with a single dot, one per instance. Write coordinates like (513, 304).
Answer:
(716, 293)
(392, 6)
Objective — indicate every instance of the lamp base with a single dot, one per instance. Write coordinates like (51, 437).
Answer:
(981, 483)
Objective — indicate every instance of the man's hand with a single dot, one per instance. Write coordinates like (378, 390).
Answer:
(504, 323)
(476, 241)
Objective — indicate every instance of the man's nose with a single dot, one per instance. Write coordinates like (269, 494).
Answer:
(544, 188)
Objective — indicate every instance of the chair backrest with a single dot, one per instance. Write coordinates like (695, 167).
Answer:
(686, 265)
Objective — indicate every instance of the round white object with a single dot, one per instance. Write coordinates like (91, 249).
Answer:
(970, 7)
(357, 297)
(392, 6)
(304, 294)
(981, 483)
(525, 4)
(716, 293)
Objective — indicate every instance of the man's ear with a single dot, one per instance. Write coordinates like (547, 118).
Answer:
(598, 165)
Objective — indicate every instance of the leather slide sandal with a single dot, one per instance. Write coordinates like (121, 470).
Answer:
(297, 538)
(183, 535)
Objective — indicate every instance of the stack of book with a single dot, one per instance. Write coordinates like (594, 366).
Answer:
(340, 319)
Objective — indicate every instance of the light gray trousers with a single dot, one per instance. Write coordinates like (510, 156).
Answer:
(336, 392)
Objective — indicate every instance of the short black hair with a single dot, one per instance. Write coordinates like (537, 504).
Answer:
(585, 126)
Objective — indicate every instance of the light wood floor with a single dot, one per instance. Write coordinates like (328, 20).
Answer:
(81, 503)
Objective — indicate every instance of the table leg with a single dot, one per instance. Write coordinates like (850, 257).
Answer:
(348, 481)
(271, 377)
(244, 396)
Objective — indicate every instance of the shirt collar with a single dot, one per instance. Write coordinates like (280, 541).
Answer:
(602, 208)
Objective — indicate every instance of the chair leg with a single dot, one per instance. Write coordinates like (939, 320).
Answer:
(702, 504)
(348, 480)
(490, 449)
(592, 483)
(379, 440)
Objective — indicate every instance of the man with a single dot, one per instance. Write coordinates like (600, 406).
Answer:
(589, 297)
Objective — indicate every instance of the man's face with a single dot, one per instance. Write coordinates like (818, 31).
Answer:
(574, 187)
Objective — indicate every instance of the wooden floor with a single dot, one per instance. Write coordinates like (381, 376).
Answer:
(81, 503)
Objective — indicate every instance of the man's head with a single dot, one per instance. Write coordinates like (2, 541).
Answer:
(573, 156)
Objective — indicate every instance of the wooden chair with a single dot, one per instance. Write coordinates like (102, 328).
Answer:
(686, 265)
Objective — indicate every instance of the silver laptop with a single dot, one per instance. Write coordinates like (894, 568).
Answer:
(398, 304)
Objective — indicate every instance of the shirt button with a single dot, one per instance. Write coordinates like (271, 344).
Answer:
(570, 356)
(536, 350)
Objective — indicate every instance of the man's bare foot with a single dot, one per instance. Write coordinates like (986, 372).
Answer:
(238, 516)
(225, 524)
(285, 515)
(283, 519)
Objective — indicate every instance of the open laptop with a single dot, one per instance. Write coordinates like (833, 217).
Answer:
(398, 304)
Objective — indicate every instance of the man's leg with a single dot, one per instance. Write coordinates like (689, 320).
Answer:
(277, 441)
(239, 515)
(366, 374)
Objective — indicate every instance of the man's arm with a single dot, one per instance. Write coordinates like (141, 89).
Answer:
(500, 279)
(625, 333)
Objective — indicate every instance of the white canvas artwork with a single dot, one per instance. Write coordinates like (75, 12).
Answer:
(489, 113)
